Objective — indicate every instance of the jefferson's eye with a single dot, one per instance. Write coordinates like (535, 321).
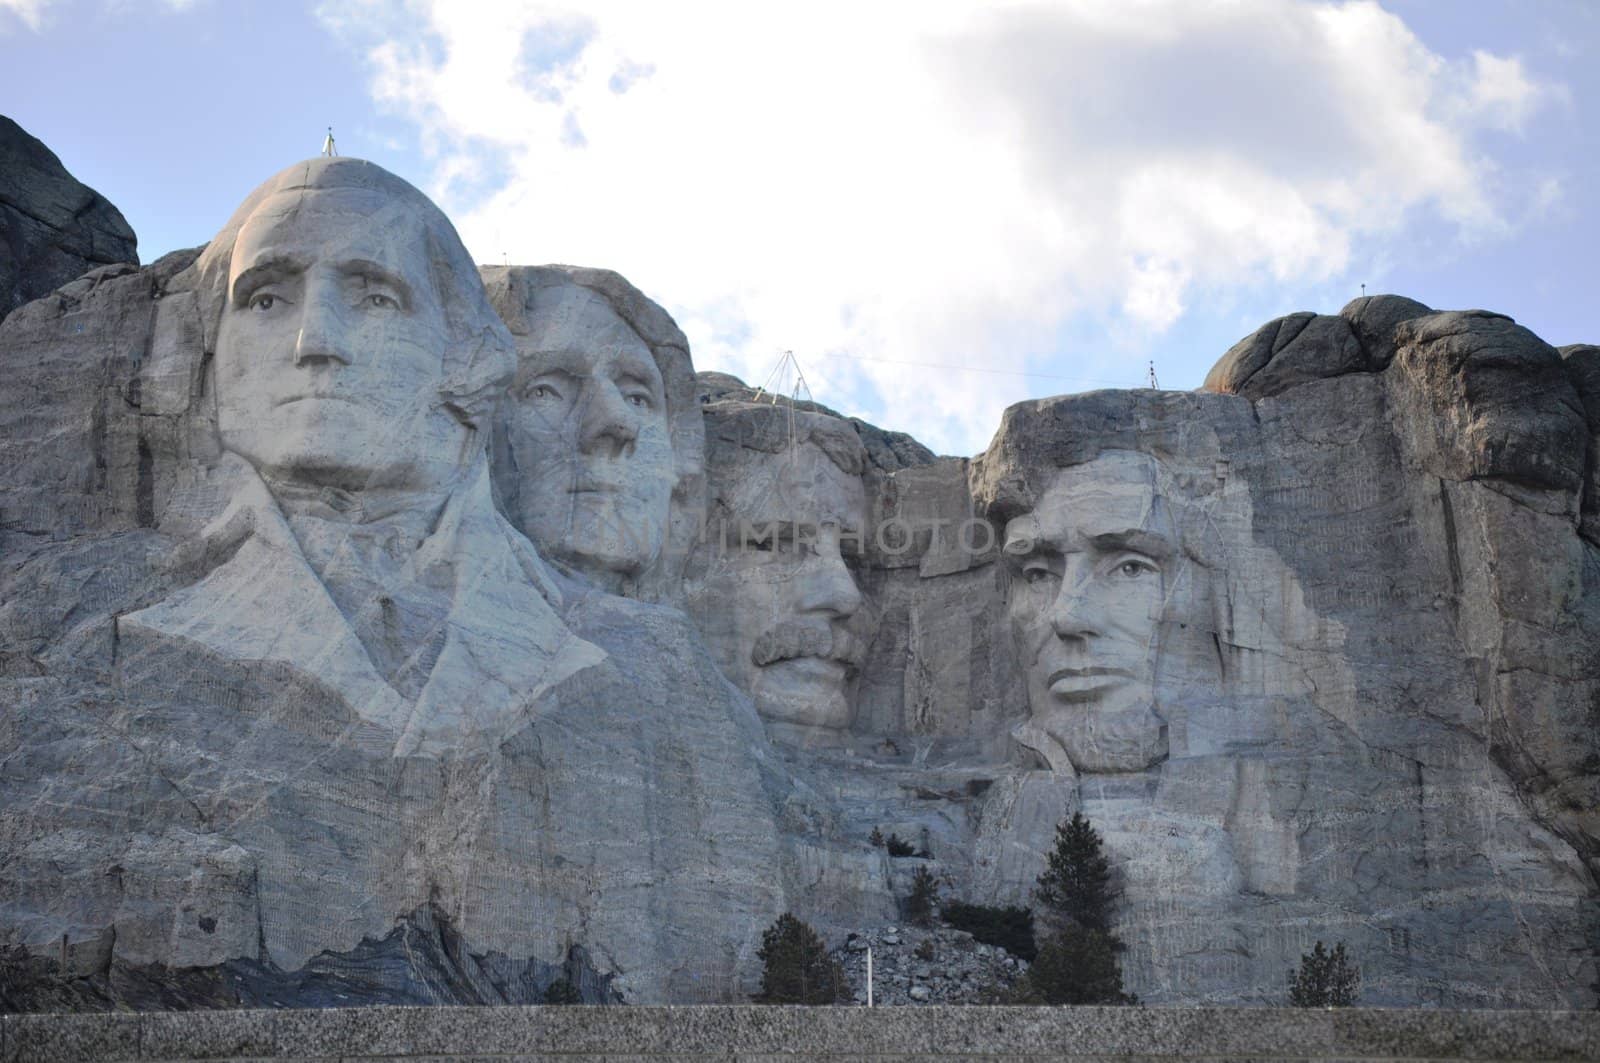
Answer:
(543, 391)
(262, 302)
(379, 301)
(640, 401)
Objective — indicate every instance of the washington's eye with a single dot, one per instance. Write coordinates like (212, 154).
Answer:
(543, 391)
(262, 302)
(379, 301)
(640, 401)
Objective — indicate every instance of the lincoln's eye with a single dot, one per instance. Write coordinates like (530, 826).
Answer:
(263, 301)
(379, 301)
(1132, 569)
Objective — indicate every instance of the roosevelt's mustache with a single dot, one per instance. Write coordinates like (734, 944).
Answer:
(807, 638)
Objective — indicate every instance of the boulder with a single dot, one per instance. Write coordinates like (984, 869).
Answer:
(52, 227)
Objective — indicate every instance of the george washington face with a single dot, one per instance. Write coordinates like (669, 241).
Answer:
(1091, 567)
(331, 347)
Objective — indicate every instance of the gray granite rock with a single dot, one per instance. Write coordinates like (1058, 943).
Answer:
(249, 741)
(52, 227)
(1583, 366)
(308, 702)
(1375, 612)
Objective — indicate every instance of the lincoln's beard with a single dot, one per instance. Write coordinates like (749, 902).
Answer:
(1107, 740)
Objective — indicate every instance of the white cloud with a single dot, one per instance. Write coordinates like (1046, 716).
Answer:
(1501, 94)
(942, 183)
(29, 12)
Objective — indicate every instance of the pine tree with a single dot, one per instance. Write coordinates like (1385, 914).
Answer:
(798, 969)
(1076, 885)
(924, 896)
(562, 991)
(1078, 963)
(1075, 966)
(1325, 979)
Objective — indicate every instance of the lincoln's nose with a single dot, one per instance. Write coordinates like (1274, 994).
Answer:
(1074, 613)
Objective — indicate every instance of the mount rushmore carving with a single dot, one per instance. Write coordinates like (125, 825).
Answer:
(378, 627)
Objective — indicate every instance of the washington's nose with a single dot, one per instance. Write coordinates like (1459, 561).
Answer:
(830, 589)
(609, 427)
(322, 339)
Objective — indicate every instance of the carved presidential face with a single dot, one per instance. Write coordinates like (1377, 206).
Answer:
(589, 438)
(779, 600)
(1090, 568)
(330, 349)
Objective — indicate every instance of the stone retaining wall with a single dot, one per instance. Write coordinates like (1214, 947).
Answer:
(756, 1033)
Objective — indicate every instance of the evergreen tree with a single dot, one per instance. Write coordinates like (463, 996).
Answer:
(562, 991)
(798, 969)
(1076, 885)
(1325, 979)
(1010, 928)
(924, 896)
(1078, 963)
(1075, 966)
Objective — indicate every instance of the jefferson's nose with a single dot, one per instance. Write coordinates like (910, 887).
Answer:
(323, 333)
(609, 426)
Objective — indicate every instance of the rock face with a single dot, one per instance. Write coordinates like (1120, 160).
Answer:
(52, 228)
(279, 674)
(599, 455)
(1335, 766)
(522, 653)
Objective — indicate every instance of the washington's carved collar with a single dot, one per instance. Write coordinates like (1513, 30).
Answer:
(503, 641)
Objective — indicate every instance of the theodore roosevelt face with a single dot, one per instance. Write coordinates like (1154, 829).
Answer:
(784, 625)
(1090, 567)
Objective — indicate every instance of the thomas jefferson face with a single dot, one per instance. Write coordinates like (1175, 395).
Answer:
(784, 601)
(330, 350)
(1091, 566)
(589, 438)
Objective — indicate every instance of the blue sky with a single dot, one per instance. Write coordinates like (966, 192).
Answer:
(942, 209)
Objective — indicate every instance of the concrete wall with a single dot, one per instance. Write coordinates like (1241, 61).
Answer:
(757, 1033)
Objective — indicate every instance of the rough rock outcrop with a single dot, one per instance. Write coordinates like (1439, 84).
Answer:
(52, 228)
(1335, 766)
(203, 768)
(293, 712)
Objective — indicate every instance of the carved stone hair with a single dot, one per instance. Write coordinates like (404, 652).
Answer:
(479, 360)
